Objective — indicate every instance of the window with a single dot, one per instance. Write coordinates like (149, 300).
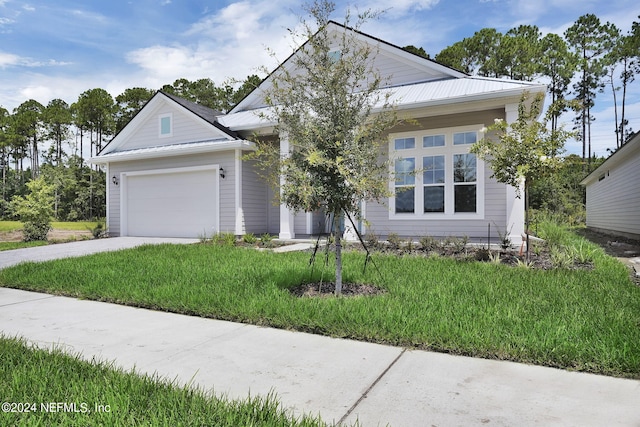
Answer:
(464, 138)
(166, 125)
(334, 55)
(405, 185)
(405, 143)
(433, 168)
(433, 141)
(464, 178)
(435, 175)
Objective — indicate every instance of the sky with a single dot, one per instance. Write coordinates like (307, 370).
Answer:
(59, 49)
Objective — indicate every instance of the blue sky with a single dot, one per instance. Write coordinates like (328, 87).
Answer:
(60, 49)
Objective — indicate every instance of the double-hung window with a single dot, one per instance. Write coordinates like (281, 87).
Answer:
(405, 185)
(435, 175)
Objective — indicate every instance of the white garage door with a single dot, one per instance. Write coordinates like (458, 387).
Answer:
(180, 203)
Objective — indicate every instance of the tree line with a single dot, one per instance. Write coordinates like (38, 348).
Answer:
(595, 56)
(56, 135)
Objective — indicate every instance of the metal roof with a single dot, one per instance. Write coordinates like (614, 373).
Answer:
(423, 94)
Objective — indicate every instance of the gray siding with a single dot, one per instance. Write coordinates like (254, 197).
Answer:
(254, 200)
(613, 204)
(227, 191)
(495, 194)
(495, 213)
(186, 128)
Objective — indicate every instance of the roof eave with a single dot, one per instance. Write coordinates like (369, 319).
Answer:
(182, 151)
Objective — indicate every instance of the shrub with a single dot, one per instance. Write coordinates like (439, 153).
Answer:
(266, 240)
(99, 231)
(34, 231)
(582, 251)
(394, 240)
(224, 239)
(428, 243)
(459, 243)
(249, 238)
(35, 209)
(371, 240)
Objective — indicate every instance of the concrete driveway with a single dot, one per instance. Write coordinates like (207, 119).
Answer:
(80, 248)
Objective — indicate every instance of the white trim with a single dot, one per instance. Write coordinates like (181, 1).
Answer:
(108, 190)
(448, 151)
(515, 206)
(124, 231)
(309, 223)
(286, 216)
(173, 150)
(238, 193)
(165, 116)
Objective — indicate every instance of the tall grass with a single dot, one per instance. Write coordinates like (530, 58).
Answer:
(584, 320)
(98, 394)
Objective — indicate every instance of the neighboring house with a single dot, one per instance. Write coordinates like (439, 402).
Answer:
(177, 169)
(613, 192)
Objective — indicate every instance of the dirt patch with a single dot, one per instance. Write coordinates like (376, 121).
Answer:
(329, 288)
(615, 246)
(618, 247)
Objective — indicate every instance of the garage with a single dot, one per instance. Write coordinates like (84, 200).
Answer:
(180, 202)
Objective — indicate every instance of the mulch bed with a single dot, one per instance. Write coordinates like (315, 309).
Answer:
(328, 289)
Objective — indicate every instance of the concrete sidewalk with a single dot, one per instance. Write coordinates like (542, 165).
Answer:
(339, 379)
(79, 248)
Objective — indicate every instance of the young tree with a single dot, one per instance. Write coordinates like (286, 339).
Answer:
(522, 151)
(35, 209)
(323, 102)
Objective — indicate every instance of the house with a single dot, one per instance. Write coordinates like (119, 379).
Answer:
(177, 168)
(613, 195)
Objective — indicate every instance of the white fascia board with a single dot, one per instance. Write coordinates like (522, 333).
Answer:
(168, 151)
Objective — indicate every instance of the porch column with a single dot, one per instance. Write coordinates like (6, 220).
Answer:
(349, 233)
(239, 225)
(515, 206)
(286, 216)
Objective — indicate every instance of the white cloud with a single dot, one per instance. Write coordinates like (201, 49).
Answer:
(231, 43)
(399, 7)
(8, 59)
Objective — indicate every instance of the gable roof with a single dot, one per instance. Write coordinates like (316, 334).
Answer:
(416, 82)
(627, 150)
(208, 114)
(414, 68)
(201, 113)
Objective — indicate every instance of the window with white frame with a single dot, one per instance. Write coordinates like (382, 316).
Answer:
(165, 125)
(438, 177)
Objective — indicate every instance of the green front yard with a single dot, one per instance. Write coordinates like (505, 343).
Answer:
(587, 320)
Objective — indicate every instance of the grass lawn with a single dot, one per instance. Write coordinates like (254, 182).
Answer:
(7, 246)
(6, 226)
(587, 320)
(103, 395)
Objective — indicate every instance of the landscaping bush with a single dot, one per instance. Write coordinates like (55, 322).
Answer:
(35, 209)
